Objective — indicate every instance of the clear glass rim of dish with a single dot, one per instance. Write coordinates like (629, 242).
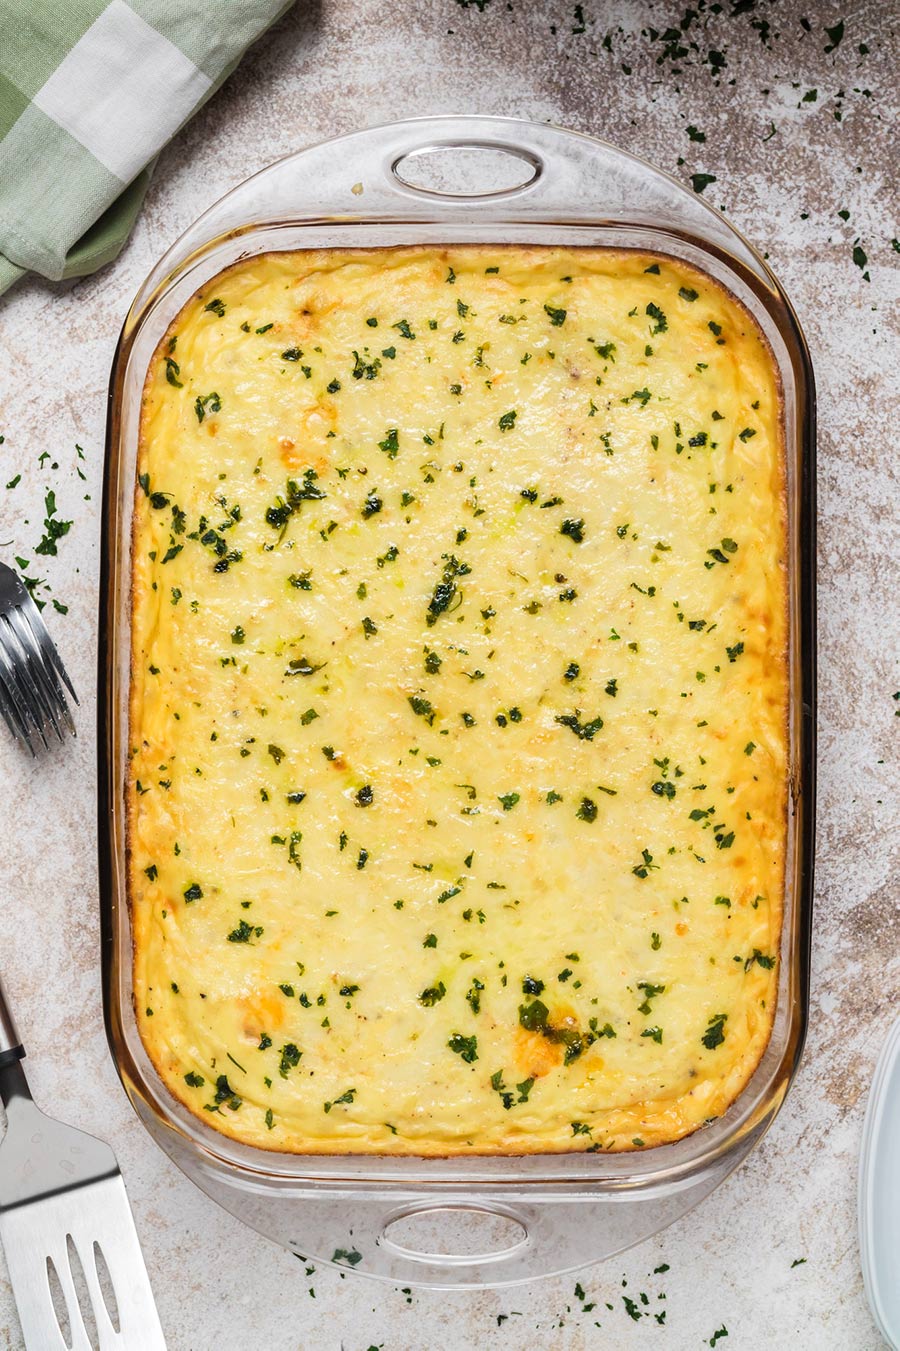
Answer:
(311, 199)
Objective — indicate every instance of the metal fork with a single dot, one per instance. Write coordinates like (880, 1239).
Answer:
(32, 698)
(65, 1221)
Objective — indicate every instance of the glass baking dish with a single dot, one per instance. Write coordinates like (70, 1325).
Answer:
(550, 1213)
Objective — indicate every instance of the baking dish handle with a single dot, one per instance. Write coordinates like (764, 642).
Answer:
(445, 1235)
(473, 1238)
(493, 173)
(482, 169)
(469, 166)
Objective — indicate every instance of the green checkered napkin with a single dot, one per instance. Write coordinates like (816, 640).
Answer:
(90, 92)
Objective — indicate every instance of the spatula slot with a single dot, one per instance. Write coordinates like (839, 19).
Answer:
(60, 1308)
(107, 1289)
(79, 1281)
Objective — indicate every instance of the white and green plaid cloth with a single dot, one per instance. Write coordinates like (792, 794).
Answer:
(90, 92)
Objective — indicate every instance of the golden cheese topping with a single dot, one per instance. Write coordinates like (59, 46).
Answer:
(457, 791)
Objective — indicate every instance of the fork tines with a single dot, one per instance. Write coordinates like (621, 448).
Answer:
(32, 698)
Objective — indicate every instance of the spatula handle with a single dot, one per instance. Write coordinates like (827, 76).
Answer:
(11, 1047)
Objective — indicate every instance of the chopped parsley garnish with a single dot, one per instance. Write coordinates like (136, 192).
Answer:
(244, 932)
(54, 528)
(762, 959)
(721, 555)
(344, 1100)
(363, 368)
(391, 443)
(649, 991)
(445, 592)
(646, 866)
(715, 1031)
(466, 1047)
(535, 1016)
(585, 731)
(422, 708)
(207, 403)
(296, 494)
(587, 810)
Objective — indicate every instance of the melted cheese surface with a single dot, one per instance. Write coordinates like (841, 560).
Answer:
(457, 791)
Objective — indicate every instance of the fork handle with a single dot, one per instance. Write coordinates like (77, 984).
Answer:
(11, 1047)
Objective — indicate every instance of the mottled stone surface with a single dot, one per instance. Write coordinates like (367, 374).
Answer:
(796, 135)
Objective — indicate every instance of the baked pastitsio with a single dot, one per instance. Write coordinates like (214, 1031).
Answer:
(457, 790)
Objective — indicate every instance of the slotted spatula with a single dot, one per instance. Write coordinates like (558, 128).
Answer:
(66, 1223)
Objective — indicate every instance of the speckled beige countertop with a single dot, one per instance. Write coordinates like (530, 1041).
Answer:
(790, 115)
